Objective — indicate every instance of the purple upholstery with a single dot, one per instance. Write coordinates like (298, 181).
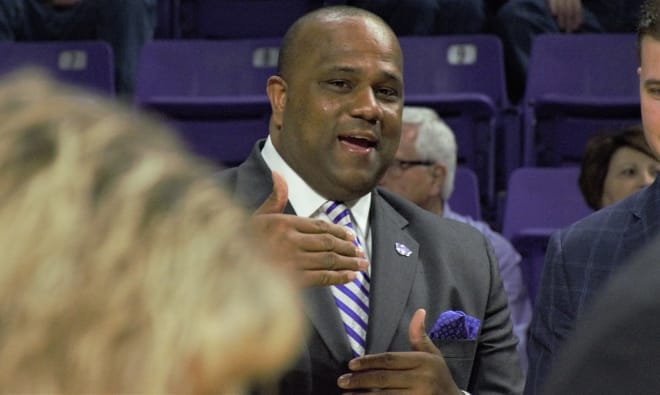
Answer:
(213, 91)
(84, 63)
(465, 198)
(578, 85)
(462, 78)
(539, 201)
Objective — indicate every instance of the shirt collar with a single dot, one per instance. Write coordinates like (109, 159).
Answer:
(306, 201)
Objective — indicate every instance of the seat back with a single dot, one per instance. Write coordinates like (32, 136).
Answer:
(577, 85)
(462, 78)
(539, 201)
(88, 64)
(214, 91)
(451, 64)
(465, 197)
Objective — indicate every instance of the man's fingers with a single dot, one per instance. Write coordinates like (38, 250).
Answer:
(419, 339)
(318, 226)
(331, 261)
(312, 242)
(417, 330)
(323, 278)
(576, 18)
(276, 201)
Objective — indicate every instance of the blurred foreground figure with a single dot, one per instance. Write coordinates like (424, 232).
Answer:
(125, 269)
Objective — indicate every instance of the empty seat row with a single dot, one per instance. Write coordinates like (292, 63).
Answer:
(461, 77)
(214, 92)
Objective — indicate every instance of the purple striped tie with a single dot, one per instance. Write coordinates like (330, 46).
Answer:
(352, 298)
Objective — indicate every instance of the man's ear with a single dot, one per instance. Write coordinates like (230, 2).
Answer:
(439, 173)
(276, 89)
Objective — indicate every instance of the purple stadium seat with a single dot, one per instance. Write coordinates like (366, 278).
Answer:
(462, 78)
(577, 86)
(84, 63)
(539, 201)
(465, 198)
(213, 91)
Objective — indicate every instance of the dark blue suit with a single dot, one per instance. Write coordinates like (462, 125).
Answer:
(614, 349)
(578, 261)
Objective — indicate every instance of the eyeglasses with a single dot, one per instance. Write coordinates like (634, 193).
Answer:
(398, 166)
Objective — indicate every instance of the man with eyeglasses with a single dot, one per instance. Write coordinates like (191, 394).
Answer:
(423, 171)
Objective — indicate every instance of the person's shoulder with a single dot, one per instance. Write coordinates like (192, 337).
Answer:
(227, 176)
(423, 221)
(611, 218)
(481, 226)
(227, 179)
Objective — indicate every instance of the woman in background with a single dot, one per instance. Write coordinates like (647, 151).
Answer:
(615, 166)
(124, 268)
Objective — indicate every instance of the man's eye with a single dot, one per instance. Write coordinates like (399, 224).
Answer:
(339, 84)
(388, 93)
(653, 90)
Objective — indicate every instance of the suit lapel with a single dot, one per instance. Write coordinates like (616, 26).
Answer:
(392, 274)
(254, 184)
(322, 311)
(253, 181)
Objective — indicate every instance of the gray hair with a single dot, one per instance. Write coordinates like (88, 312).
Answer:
(435, 141)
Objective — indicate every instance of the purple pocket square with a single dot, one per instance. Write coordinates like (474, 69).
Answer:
(455, 325)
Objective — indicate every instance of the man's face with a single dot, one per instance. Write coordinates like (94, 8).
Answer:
(649, 91)
(408, 177)
(337, 116)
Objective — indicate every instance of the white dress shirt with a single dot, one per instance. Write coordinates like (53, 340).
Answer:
(307, 202)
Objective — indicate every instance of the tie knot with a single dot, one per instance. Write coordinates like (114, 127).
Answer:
(338, 213)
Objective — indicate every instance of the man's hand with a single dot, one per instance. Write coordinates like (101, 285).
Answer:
(567, 12)
(422, 371)
(323, 253)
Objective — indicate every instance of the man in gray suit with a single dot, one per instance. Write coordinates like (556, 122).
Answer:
(581, 257)
(335, 126)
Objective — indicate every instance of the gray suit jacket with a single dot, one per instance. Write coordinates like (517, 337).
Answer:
(578, 260)
(451, 268)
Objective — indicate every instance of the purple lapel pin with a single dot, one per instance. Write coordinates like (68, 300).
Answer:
(401, 249)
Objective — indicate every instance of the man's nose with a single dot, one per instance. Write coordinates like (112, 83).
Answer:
(367, 106)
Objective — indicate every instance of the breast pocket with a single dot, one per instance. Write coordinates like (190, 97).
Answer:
(459, 356)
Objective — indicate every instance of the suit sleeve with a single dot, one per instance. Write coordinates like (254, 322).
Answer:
(553, 317)
(497, 365)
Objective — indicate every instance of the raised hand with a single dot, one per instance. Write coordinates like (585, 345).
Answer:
(321, 252)
(567, 12)
(422, 371)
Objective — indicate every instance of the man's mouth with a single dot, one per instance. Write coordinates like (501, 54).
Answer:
(358, 144)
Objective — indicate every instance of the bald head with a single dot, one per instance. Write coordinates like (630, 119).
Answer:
(307, 32)
(337, 101)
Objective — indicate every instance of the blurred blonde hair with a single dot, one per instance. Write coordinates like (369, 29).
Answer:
(124, 267)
